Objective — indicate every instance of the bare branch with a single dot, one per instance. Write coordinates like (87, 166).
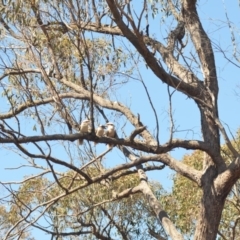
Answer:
(135, 132)
(139, 145)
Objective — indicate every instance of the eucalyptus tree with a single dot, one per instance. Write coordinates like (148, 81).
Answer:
(187, 194)
(63, 62)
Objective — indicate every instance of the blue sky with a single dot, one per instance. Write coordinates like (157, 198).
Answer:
(185, 112)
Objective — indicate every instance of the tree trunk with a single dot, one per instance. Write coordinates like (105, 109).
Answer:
(210, 214)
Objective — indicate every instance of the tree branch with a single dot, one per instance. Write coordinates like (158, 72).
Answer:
(135, 132)
(139, 145)
(202, 44)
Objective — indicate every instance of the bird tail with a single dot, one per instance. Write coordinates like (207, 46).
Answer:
(80, 141)
(109, 146)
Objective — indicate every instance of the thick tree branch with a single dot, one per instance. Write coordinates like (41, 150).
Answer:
(183, 74)
(139, 44)
(228, 178)
(139, 145)
(176, 68)
(202, 44)
(135, 132)
(111, 105)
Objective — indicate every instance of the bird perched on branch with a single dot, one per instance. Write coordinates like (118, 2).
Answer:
(100, 132)
(110, 132)
(84, 129)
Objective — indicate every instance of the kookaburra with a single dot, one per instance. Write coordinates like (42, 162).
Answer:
(100, 132)
(110, 132)
(84, 128)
